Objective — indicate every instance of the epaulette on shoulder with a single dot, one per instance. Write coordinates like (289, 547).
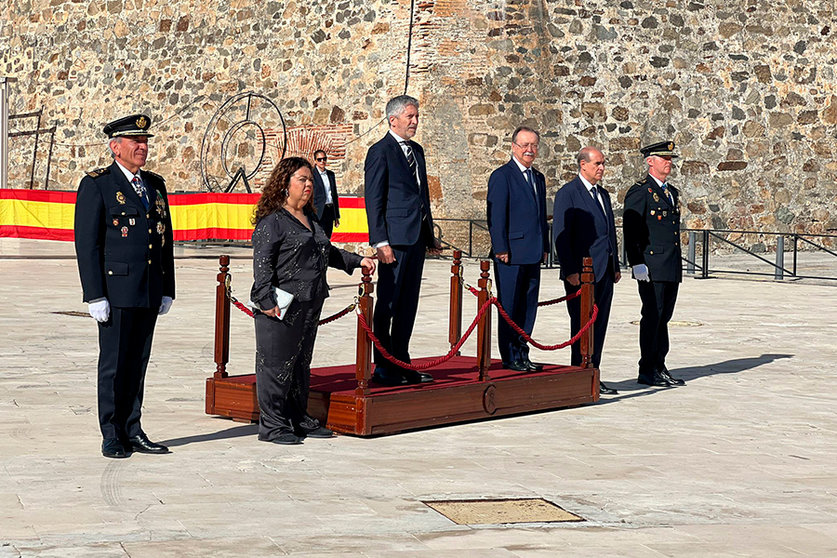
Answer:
(154, 174)
(98, 172)
(639, 183)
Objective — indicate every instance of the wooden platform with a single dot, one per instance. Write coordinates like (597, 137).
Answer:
(465, 388)
(456, 395)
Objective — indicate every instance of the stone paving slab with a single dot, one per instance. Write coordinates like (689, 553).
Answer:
(740, 462)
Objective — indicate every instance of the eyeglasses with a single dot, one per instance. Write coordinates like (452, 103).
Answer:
(322, 158)
(527, 145)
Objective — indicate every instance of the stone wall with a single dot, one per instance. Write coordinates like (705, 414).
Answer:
(746, 89)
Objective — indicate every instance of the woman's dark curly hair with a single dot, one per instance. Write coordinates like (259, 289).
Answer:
(275, 191)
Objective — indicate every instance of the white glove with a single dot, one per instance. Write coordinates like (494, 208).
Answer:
(100, 310)
(165, 305)
(641, 272)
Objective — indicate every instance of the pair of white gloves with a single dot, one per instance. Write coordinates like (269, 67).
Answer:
(641, 272)
(100, 309)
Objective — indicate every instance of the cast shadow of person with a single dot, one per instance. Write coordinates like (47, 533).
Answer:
(234, 432)
(690, 373)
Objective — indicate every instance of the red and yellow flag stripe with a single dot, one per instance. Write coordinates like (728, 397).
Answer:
(48, 215)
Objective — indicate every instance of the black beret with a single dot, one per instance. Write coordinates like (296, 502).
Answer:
(134, 125)
(663, 149)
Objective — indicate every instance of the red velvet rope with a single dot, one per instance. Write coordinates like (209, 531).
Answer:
(455, 349)
(361, 319)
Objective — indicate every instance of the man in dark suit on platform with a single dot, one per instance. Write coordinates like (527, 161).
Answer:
(124, 248)
(516, 212)
(651, 227)
(326, 201)
(583, 225)
(401, 231)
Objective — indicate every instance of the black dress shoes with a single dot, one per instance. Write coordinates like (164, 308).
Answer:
(112, 447)
(387, 377)
(671, 379)
(286, 439)
(142, 444)
(516, 365)
(653, 380)
(311, 428)
(532, 366)
(604, 390)
(416, 377)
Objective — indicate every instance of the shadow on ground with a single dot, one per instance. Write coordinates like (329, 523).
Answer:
(692, 373)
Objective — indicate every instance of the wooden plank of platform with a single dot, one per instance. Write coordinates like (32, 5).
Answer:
(455, 396)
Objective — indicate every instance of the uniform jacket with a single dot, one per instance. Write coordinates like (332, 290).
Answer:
(516, 219)
(651, 227)
(125, 252)
(580, 229)
(394, 201)
(288, 255)
(319, 193)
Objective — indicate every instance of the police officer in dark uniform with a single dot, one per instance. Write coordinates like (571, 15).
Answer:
(124, 248)
(651, 227)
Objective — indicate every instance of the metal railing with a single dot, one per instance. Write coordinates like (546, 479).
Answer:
(706, 252)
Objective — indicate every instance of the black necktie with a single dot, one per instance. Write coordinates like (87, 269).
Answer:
(595, 190)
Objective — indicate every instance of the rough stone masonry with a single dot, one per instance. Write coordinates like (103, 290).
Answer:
(746, 89)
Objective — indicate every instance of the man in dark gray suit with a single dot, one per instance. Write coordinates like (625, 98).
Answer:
(326, 201)
(401, 231)
(583, 225)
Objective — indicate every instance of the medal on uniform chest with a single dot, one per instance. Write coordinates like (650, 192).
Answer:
(124, 232)
(665, 213)
(120, 197)
(652, 212)
(161, 228)
(656, 197)
(115, 222)
(659, 217)
(161, 207)
(132, 221)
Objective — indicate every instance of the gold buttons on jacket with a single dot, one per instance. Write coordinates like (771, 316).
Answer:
(651, 252)
(150, 246)
(110, 272)
(149, 262)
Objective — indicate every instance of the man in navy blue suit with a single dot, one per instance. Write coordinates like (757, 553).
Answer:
(583, 225)
(516, 205)
(401, 231)
(326, 200)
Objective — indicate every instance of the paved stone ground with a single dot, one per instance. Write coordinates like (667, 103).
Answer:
(740, 462)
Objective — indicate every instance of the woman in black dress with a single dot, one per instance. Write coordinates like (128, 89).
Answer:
(290, 251)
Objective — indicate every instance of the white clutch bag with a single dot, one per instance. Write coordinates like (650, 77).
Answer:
(283, 301)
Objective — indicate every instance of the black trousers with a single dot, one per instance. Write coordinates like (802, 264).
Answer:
(283, 366)
(124, 348)
(327, 219)
(658, 299)
(603, 297)
(399, 285)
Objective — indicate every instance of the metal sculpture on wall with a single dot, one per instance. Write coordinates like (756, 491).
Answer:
(247, 131)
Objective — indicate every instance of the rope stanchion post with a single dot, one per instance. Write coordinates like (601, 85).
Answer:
(587, 286)
(363, 359)
(222, 319)
(484, 328)
(455, 317)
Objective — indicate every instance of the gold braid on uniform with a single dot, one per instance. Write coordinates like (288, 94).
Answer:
(98, 172)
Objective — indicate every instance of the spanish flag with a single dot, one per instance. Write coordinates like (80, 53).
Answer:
(48, 215)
